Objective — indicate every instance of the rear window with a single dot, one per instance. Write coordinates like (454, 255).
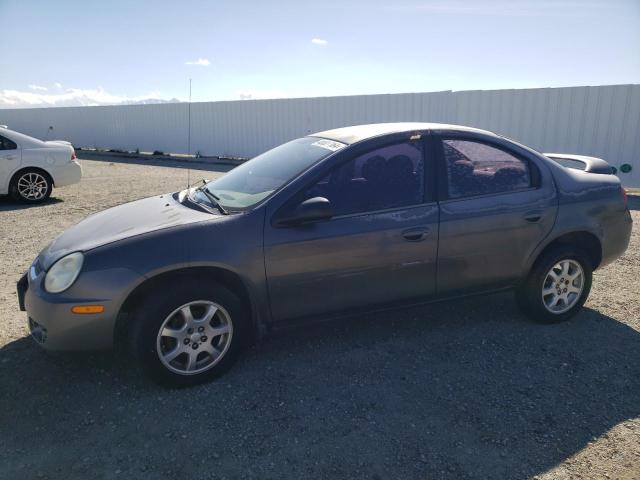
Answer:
(6, 144)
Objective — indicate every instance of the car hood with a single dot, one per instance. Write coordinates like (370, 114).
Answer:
(128, 220)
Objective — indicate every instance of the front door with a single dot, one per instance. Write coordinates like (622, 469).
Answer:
(379, 247)
(497, 206)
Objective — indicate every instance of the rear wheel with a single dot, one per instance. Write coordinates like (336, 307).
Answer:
(557, 286)
(190, 335)
(31, 186)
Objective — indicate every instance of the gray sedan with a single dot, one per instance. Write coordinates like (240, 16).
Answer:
(342, 221)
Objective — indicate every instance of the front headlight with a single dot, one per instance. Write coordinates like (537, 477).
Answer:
(63, 273)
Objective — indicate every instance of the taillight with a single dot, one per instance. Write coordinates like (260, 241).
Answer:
(73, 155)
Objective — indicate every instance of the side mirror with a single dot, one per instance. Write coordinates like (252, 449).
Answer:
(314, 209)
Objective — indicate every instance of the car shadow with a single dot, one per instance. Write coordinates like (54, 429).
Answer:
(8, 204)
(221, 167)
(464, 389)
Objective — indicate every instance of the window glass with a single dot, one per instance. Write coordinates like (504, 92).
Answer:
(6, 144)
(387, 177)
(255, 180)
(475, 168)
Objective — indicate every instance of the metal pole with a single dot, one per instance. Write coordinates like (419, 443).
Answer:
(189, 136)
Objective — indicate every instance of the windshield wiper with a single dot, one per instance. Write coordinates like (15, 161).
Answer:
(213, 198)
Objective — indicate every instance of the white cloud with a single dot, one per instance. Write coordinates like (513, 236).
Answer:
(74, 97)
(260, 94)
(57, 85)
(201, 62)
(319, 41)
(38, 87)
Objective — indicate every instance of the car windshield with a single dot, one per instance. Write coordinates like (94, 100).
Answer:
(256, 179)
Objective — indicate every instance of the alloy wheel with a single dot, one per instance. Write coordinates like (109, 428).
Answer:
(562, 287)
(194, 337)
(32, 186)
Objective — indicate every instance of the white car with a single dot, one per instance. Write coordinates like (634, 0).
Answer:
(30, 168)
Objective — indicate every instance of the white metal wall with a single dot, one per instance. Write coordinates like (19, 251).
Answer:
(602, 121)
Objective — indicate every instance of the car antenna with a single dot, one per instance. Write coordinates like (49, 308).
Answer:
(189, 137)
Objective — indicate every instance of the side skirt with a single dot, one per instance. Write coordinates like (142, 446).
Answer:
(395, 306)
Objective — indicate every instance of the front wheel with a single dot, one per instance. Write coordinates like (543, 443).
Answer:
(557, 286)
(190, 335)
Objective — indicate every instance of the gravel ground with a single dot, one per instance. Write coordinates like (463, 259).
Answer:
(465, 389)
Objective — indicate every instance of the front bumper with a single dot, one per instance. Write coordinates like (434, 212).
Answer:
(37, 331)
(54, 326)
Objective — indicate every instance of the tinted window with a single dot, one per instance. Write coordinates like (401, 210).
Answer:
(387, 177)
(475, 168)
(6, 144)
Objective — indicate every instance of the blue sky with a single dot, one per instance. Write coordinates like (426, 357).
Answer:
(100, 52)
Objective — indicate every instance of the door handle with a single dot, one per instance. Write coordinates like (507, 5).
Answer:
(533, 217)
(415, 234)
(11, 157)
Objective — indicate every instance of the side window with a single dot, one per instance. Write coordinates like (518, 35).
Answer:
(6, 144)
(475, 168)
(387, 177)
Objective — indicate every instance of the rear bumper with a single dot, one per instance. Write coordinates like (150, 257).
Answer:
(617, 234)
(67, 174)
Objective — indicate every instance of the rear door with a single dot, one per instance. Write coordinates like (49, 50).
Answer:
(379, 247)
(9, 161)
(497, 204)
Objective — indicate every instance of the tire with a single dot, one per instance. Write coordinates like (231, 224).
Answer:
(540, 307)
(31, 186)
(202, 349)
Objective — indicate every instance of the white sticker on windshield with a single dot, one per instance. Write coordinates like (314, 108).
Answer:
(329, 144)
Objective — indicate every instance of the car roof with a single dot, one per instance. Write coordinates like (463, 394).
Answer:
(358, 133)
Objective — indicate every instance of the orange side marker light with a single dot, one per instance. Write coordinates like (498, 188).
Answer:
(88, 309)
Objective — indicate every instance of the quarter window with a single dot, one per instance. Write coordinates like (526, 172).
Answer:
(475, 168)
(388, 177)
(6, 144)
